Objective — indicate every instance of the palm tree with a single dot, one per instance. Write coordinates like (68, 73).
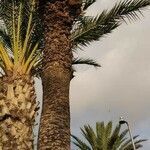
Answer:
(104, 137)
(19, 61)
(67, 28)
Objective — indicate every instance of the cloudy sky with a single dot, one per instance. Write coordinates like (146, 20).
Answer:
(121, 87)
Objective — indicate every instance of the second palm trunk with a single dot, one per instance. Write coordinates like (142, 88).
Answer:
(58, 17)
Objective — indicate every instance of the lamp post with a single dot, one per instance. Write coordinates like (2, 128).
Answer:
(122, 121)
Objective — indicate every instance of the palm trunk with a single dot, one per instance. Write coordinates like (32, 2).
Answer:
(17, 113)
(58, 17)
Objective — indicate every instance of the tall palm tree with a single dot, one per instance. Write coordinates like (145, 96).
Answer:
(19, 61)
(66, 28)
(104, 137)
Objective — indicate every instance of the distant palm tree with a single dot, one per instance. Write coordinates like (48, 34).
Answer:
(66, 29)
(105, 138)
(19, 61)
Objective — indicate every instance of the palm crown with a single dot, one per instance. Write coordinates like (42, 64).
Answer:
(105, 138)
(20, 42)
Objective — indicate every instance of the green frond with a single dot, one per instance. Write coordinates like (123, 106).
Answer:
(2, 66)
(37, 69)
(4, 56)
(89, 135)
(109, 129)
(88, 61)
(32, 63)
(127, 145)
(21, 36)
(93, 28)
(5, 39)
(128, 142)
(138, 143)
(80, 144)
(123, 134)
(87, 3)
(114, 140)
(99, 129)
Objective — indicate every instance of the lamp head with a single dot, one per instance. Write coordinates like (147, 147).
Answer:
(122, 121)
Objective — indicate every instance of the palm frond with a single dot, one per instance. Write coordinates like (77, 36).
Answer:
(99, 129)
(108, 132)
(5, 58)
(5, 39)
(21, 37)
(109, 129)
(114, 140)
(128, 142)
(80, 144)
(87, 61)
(87, 3)
(101, 138)
(93, 28)
(127, 145)
(89, 135)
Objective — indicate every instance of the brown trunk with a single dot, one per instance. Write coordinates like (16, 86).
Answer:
(55, 120)
(58, 17)
(17, 113)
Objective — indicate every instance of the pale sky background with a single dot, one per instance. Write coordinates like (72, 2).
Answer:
(121, 87)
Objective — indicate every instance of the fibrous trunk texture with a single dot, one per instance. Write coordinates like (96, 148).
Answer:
(58, 17)
(17, 113)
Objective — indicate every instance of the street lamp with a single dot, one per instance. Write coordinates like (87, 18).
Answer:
(122, 121)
